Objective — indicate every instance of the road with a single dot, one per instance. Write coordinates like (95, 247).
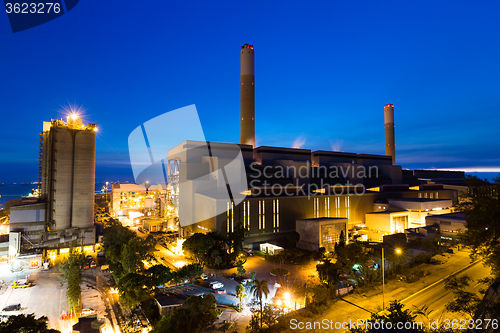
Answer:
(435, 297)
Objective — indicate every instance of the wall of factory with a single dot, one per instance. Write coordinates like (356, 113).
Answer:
(322, 232)
(27, 213)
(268, 155)
(272, 215)
(83, 179)
(61, 156)
(380, 221)
(68, 175)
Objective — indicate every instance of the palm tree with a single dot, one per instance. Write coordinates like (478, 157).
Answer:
(259, 289)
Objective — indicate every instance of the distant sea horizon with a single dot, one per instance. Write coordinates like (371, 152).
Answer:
(14, 191)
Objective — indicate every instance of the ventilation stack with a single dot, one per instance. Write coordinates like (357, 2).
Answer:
(390, 143)
(247, 96)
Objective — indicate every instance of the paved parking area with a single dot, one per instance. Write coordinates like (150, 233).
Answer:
(47, 296)
(227, 299)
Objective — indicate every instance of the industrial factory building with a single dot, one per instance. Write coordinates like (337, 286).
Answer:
(287, 185)
(145, 199)
(316, 193)
(64, 213)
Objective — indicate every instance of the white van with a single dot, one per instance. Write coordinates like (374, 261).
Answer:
(216, 285)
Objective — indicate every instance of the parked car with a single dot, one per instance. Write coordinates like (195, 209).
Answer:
(23, 283)
(12, 307)
(216, 285)
(249, 252)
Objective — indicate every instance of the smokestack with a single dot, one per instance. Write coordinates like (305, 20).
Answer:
(247, 96)
(390, 144)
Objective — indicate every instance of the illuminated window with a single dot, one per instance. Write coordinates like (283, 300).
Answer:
(244, 214)
(337, 207)
(327, 207)
(262, 217)
(232, 216)
(263, 214)
(347, 206)
(276, 215)
(316, 207)
(227, 219)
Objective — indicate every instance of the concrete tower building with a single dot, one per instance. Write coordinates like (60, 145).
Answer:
(68, 173)
(64, 214)
(390, 143)
(247, 95)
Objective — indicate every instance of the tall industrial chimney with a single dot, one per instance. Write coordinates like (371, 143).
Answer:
(247, 96)
(390, 144)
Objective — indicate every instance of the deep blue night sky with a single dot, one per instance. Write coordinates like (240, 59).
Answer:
(323, 74)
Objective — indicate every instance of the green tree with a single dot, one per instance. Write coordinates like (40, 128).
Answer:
(191, 272)
(114, 237)
(159, 275)
(340, 245)
(126, 254)
(235, 239)
(293, 238)
(134, 288)
(394, 314)
(197, 246)
(482, 214)
(465, 302)
(72, 273)
(240, 293)
(200, 312)
(328, 273)
(260, 289)
(216, 258)
(133, 253)
(269, 321)
(226, 325)
(240, 270)
(26, 324)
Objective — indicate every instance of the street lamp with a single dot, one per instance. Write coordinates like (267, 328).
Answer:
(398, 251)
(107, 191)
(383, 280)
